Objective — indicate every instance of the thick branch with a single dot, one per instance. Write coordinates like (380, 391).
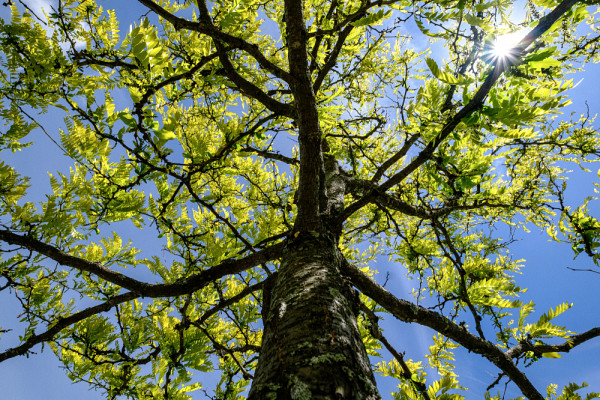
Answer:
(249, 89)
(178, 288)
(358, 187)
(311, 185)
(207, 28)
(474, 105)
(140, 289)
(395, 158)
(409, 312)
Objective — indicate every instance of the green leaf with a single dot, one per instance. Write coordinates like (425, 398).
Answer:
(165, 135)
(551, 355)
(541, 54)
(517, 133)
(372, 19)
(446, 77)
(127, 119)
(475, 21)
(433, 67)
(545, 63)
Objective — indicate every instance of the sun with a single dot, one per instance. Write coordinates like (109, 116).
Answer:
(503, 46)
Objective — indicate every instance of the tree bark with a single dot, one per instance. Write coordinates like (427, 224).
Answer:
(312, 348)
(311, 185)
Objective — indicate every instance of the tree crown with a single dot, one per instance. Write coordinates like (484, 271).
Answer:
(224, 131)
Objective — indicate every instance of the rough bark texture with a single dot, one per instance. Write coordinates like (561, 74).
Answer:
(312, 347)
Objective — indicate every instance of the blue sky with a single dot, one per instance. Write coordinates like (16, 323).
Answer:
(545, 274)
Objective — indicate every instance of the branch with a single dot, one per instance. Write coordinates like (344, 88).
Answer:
(358, 187)
(143, 289)
(84, 58)
(250, 89)
(406, 372)
(395, 158)
(232, 300)
(408, 312)
(474, 104)
(311, 182)
(568, 345)
(207, 28)
(139, 289)
(583, 270)
(175, 78)
(344, 29)
(63, 323)
(270, 155)
(332, 57)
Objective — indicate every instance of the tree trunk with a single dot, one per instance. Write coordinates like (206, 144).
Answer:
(311, 346)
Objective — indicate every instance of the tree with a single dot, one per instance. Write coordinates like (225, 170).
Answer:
(269, 151)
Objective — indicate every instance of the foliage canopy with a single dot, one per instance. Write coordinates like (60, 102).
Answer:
(227, 131)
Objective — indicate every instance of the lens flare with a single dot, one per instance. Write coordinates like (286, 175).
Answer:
(504, 46)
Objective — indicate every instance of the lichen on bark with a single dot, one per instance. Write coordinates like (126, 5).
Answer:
(317, 311)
